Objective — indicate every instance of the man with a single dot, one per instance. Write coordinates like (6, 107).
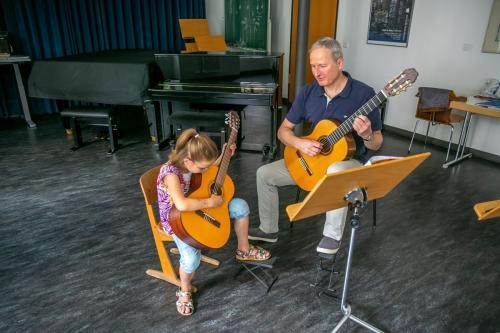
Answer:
(334, 95)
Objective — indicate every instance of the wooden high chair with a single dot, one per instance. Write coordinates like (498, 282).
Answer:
(487, 210)
(167, 273)
(196, 36)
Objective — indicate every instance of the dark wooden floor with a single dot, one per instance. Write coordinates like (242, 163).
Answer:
(75, 244)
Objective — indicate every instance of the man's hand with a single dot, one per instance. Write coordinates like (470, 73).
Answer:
(363, 126)
(309, 147)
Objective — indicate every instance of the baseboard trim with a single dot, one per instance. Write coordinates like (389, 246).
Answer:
(441, 143)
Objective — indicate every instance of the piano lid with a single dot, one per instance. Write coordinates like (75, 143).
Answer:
(220, 67)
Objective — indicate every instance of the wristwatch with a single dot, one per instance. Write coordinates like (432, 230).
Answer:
(369, 138)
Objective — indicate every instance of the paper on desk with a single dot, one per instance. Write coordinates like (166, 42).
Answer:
(486, 102)
(379, 158)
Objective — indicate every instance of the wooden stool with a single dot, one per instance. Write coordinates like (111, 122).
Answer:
(95, 116)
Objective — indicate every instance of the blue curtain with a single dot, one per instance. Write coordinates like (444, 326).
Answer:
(44, 29)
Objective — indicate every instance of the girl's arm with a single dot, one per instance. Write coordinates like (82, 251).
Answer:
(182, 203)
(233, 150)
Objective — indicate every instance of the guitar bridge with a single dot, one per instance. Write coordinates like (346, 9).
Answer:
(303, 163)
(208, 218)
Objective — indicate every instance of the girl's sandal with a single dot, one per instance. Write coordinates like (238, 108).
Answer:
(183, 305)
(255, 253)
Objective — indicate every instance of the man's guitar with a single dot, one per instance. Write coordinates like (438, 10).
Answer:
(210, 227)
(338, 143)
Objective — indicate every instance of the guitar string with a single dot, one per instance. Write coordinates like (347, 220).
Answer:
(346, 126)
(223, 165)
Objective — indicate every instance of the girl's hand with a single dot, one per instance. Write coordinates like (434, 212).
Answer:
(232, 148)
(214, 201)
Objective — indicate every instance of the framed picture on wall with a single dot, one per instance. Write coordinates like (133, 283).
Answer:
(491, 42)
(390, 22)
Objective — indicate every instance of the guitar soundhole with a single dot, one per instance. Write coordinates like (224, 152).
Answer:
(327, 147)
(217, 192)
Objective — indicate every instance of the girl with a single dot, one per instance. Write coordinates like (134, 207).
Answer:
(195, 153)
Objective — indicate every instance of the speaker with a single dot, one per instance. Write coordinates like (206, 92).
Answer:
(5, 47)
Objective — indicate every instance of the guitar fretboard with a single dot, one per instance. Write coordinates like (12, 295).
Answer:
(346, 126)
(224, 164)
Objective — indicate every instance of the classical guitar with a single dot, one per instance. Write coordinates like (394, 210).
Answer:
(209, 228)
(338, 143)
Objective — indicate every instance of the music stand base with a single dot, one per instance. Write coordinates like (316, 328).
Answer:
(348, 315)
(357, 199)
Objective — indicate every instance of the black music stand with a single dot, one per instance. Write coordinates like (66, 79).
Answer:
(354, 187)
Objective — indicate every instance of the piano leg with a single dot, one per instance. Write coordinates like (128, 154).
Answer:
(155, 123)
(273, 149)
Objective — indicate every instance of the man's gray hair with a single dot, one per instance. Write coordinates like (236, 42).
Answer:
(329, 43)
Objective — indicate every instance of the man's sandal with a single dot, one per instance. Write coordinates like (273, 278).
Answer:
(255, 253)
(183, 305)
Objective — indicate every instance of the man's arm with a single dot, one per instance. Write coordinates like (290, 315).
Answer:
(288, 137)
(375, 141)
(372, 139)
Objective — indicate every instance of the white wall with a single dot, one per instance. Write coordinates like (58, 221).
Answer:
(281, 13)
(215, 15)
(446, 37)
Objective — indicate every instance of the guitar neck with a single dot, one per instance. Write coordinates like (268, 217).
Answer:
(346, 126)
(224, 163)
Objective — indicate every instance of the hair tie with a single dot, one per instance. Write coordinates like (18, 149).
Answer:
(197, 135)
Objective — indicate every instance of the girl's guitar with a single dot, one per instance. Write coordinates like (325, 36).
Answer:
(338, 143)
(210, 227)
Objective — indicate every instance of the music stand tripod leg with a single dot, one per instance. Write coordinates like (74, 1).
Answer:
(357, 198)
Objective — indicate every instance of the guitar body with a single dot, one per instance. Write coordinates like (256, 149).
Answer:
(307, 170)
(200, 230)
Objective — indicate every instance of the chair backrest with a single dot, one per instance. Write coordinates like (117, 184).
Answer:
(433, 105)
(210, 43)
(196, 36)
(148, 186)
(190, 28)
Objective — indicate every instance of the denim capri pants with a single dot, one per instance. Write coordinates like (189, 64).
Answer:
(190, 256)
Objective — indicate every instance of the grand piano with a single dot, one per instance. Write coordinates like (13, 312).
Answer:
(113, 77)
(232, 79)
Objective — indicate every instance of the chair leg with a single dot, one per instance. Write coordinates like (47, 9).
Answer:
(112, 137)
(413, 136)
(449, 142)
(297, 197)
(204, 258)
(167, 273)
(77, 133)
(427, 133)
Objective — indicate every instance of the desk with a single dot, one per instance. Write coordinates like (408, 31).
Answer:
(15, 61)
(470, 107)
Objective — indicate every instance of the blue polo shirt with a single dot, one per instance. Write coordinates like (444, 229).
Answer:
(310, 105)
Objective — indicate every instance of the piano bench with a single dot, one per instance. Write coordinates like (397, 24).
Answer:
(211, 123)
(95, 116)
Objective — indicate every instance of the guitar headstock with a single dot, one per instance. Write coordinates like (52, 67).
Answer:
(233, 120)
(401, 82)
